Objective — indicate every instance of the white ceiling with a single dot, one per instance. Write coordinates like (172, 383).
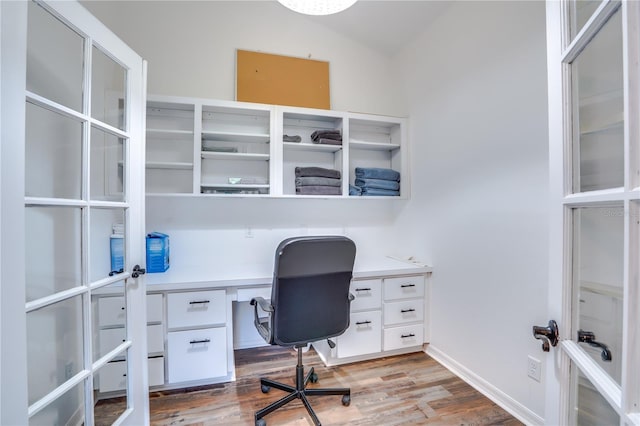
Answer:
(384, 25)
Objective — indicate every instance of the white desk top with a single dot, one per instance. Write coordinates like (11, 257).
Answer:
(251, 274)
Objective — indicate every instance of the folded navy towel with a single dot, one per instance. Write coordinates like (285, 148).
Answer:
(377, 173)
(327, 141)
(378, 191)
(327, 134)
(318, 190)
(354, 190)
(377, 183)
(316, 180)
(317, 171)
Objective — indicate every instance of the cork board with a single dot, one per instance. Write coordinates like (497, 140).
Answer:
(282, 80)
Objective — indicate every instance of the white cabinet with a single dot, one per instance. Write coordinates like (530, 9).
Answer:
(170, 141)
(111, 333)
(197, 338)
(225, 148)
(388, 316)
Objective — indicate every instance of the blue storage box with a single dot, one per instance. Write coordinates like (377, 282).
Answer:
(117, 252)
(157, 252)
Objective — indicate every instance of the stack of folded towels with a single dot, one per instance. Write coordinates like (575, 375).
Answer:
(375, 181)
(318, 181)
(327, 137)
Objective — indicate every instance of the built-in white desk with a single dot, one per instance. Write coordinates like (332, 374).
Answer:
(202, 314)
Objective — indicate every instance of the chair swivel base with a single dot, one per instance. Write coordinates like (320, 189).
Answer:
(298, 392)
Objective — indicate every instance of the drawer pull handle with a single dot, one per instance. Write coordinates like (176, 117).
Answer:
(363, 322)
(404, 336)
(404, 311)
(193, 342)
(407, 285)
(363, 289)
(196, 302)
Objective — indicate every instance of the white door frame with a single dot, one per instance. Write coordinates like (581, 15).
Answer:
(624, 399)
(13, 341)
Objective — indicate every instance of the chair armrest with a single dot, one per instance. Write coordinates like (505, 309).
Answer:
(262, 303)
(263, 327)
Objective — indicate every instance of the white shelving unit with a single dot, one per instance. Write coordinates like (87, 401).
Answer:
(225, 148)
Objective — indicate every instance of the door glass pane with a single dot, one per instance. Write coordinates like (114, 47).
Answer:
(108, 80)
(107, 161)
(53, 250)
(591, 409)
(55, 62)
(54, 346)
(598, 108)
(53, 154)
(598, 283)
(112, 377)
(109, 330)
(106, 242)
(66, 410)
(581, 11)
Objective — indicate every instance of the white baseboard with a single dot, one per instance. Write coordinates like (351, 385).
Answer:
(510, 405)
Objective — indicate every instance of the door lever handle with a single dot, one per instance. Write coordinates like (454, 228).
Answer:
(590, 338)
(548, 335)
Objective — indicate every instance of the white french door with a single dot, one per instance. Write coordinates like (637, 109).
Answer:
(78, 172)
(594, 106)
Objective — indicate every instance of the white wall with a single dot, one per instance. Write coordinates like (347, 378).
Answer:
(478, 211)
(191, 45)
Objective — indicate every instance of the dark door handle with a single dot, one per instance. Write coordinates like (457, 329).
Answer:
(137, 271)
(590, 338)
(548, 335)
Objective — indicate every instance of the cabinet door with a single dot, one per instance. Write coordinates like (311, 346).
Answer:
(404, 311)
(403, 337)
(403, 287)
(197, 354)
(364, 335)
(368, 294)
(196, 308)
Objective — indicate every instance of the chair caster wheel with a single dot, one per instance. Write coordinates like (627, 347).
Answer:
(264, 389)
(346, 400)
(261, 422)
(313, 378)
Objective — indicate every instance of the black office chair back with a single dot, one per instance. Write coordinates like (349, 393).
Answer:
(310, 290)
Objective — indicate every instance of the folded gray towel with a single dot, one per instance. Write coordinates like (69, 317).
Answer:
(326, 141)
(318, 172)
(315, 180)
(294, 138)
(318, 190)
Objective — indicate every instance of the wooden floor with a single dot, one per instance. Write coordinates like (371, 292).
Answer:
(408, 389)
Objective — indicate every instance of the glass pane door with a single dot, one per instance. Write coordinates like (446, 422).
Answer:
(79, 199)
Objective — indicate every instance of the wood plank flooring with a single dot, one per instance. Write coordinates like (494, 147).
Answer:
(410, 389)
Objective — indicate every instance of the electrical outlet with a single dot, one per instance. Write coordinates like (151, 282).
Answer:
(534, 368)
(248, 232)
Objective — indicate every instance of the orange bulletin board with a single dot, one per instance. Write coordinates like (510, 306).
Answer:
(281, 80)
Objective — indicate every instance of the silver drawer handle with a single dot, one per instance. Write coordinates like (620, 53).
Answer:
(363, 289)
(193, 342)
(404, 311)
(404, 336)
(407, 285)
(196, 302)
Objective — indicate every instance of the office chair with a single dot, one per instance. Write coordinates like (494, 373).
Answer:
(310, 301)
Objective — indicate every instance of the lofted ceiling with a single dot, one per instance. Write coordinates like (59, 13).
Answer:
(384, 25)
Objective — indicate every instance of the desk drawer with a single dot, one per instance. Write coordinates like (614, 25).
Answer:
(363, 336)
(403, 337)
(112, 310)
(368, 294)
(113, 376)
(403, 287)
(197, 354)
(196, 308)
(110, 338)
(404, 311)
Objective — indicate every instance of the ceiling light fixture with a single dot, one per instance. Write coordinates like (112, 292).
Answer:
(317, 7)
